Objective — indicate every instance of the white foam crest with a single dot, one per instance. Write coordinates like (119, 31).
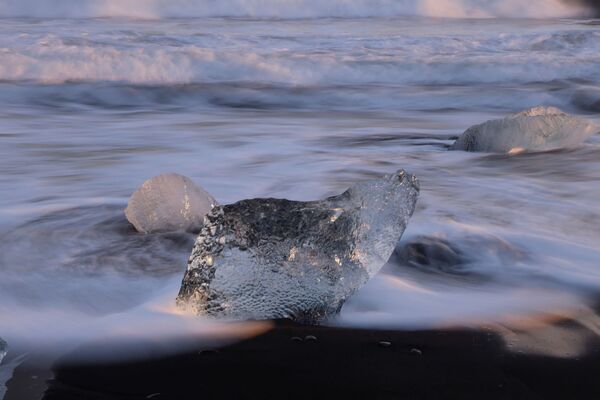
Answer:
(390, 301)
(151, 9)
(498, 8)
(58, 63)
(50, 58)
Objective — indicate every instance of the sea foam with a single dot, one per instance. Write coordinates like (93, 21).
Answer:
(220, 51)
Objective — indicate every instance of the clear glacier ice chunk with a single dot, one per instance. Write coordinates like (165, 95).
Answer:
(168, 202)
(275, 258)
(534, 129)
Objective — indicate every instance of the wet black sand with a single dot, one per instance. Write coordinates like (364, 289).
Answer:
(339, 363)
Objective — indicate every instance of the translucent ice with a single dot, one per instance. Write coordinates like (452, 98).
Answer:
(272, 258)
(535, 129)
(168, 202)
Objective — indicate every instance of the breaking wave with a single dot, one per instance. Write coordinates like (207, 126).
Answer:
(155, 9)
(124, 56)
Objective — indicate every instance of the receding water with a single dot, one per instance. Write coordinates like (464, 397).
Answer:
(301, 109)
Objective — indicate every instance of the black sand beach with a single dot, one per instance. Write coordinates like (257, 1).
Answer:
(310, 362)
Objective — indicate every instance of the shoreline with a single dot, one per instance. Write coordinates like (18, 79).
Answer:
(329, 362)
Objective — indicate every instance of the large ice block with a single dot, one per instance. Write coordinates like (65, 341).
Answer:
(274, 258)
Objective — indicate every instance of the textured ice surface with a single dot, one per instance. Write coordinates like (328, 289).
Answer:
(168, 202)
(273, 258)
(535, 129)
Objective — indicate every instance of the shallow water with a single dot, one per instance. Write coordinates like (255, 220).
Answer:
(300, 109)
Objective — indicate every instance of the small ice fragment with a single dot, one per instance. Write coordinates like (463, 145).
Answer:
(168, 202)
(273, 258)
(3, 349)
(385, 344)
(416, 352)
(310, 338)
(534, 129)
(516, 150)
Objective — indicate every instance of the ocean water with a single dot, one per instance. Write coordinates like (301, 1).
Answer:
(291, 99)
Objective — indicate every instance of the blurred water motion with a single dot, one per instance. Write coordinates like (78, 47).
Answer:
(298, 109)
